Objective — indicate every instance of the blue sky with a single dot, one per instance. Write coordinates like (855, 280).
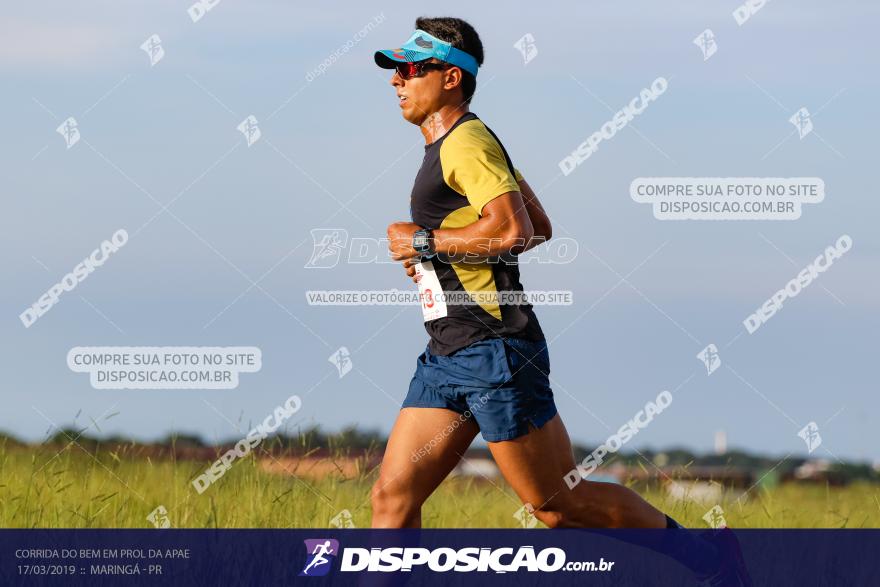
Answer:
(153, 134)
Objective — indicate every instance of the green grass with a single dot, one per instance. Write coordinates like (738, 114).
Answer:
(118, 490)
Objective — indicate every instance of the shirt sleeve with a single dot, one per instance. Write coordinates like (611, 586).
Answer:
(474, 165)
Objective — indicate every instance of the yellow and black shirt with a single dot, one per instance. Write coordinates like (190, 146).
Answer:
(461, 172)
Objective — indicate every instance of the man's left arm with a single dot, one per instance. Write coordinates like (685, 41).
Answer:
(539, 218)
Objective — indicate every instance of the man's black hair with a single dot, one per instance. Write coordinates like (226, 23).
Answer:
(460, 35)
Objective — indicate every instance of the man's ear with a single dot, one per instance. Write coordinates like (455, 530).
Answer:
(452, 78)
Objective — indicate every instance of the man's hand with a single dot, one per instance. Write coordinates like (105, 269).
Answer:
(410, 266)
(400, 236)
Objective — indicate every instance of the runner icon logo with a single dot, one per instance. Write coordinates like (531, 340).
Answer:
(803, 122)
(710, 357)
(706, 42)
(527, 48)
(320, 553)
(327, 244)
(810, 435)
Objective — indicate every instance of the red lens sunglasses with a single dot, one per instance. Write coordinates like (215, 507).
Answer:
(410, 69)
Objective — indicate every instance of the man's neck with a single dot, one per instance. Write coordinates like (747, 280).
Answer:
(438, 124)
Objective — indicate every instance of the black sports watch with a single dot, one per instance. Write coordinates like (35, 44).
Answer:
(423, 242)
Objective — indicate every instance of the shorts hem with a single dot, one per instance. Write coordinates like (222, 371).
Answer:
(522, 429)
(440, 405)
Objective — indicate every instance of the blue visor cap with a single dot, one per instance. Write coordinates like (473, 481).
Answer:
(421, 46)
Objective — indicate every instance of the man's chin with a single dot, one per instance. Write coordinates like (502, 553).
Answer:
(410, 118)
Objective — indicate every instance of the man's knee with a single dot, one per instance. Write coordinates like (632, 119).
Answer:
(392, 506)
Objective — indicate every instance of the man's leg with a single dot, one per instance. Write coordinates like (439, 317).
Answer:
(535, 464)
(422, 450)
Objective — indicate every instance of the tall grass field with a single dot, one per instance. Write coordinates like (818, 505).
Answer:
(66, 487)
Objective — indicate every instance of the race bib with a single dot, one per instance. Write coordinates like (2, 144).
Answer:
(430, 292)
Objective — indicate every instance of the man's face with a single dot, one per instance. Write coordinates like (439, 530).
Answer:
(422, 95)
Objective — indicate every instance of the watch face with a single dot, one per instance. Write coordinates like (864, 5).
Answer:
(421, 243)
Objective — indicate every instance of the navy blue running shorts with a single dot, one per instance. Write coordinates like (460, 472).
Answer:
(503, 383)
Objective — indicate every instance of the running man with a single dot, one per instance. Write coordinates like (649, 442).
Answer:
(486, 367)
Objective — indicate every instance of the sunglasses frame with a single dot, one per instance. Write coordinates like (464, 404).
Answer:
(418, 68)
